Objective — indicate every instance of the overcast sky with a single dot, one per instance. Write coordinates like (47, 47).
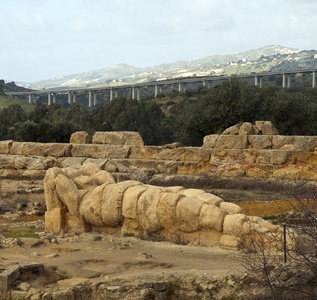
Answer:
(43, 39)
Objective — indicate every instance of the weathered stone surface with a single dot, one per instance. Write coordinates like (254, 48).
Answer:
(185, 154)
(117, 138)
(5, 147)
(233, 224)
(55, 220)
(260, 141)
(90, 206)
(31, 163)
(17, 148)
(266, 128)
(68, 193)
(7, 162)
(191, 193)
(75, 224)
(51, 197)
(232, 142)
(229, 242)
(211, 217)
(100, 162)
(245, 128)
(80, 137)
(90, 169)
(111, 209)
(210, 198)
(188, 209)
(72, 162)
(230, 208)
(100, 151)
(279, 157)
(92, 199)
(86, 182)
(210, 140)
(29, 148)
(103, 177)
(166, 210)
(130, 201)
(145, 152)
(147, 209)
(232, 130)
(56, 149)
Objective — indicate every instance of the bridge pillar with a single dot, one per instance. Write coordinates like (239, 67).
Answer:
(256, 83)
(116, 93)
(95, 98)
(133, 93)
(54, 98)
(74, 97)
(181, 87)
(261, 81)
(314, 80)
(49, 100)
(206, 83)
(138, 94)
(284, 80)
(69, 98)
(288, 81)
(111, 94)
(90, 99)
(155, 91)
(30, 98)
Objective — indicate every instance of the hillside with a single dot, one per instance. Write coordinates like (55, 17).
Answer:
(269, 58)
(5, 101)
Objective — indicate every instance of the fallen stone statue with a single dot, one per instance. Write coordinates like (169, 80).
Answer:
(86, 198)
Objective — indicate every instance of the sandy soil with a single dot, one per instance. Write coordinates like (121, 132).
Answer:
(94, 255)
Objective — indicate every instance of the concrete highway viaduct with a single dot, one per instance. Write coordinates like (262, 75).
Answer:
(156, 87)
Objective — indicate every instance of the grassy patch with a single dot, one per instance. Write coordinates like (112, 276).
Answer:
(275, 220)
(19, 234)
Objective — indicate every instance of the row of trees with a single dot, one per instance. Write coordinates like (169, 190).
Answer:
(195, 114)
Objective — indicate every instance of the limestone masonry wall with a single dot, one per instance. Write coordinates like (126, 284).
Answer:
(247, 156)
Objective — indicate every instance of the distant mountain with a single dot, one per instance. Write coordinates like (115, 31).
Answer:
(269, 58)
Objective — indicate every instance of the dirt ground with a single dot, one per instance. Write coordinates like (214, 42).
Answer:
(109, 257)
(94, 255)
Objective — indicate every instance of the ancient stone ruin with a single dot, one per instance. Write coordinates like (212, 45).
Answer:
(86, 198)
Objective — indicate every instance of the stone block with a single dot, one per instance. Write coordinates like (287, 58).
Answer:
(233, 224)
(117, 138)
(5, 147)
(100, 151)
(16, 148)
(229, 242)
(210, 141)
(266, 128)
(187, 214)
(185, 154)
(55, 220)
(30, 163)
(232, 142)
(145, 152)
(56, 149)
(230, 208)
(7, 162)
(30, 148)
(279, 157)
(80, 137)
(260, 141)
(7, 277)
(72, 162)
